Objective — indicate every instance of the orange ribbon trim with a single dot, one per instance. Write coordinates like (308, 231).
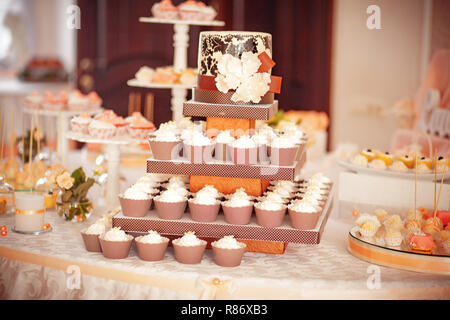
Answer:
(29, 212)
(205, 82)
(266, 62)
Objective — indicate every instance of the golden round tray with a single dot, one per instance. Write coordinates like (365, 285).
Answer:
(400, 258)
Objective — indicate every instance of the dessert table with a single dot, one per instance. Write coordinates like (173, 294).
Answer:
(56, 265)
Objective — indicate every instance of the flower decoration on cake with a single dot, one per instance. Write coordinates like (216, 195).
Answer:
(242, 75)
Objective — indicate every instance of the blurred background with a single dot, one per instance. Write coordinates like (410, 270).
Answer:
(364, 80)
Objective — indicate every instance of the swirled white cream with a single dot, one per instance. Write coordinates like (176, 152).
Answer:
(165, 136)
(260, 139)
(283, 142)
(97, 124)
(273, 197)
(320, 177)
(204, 199)
(399, 166)
(189, 239)
(96, 228)
(303, 207)
(209, 190)
(228, 242)
(152, 237)
(224, 137)
(269, 205)
(282, 191)
(244, 142)
(170, 196)
(134, 193)
(377, 164)
(197, 139)
(115, 234)
(237, 202)
(423, 168)
(284, 183)
(180, 190)
(146, 187)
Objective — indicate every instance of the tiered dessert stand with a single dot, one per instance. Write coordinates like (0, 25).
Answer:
(113, 156)
(213, 230)
(62, 126)
(180, 44)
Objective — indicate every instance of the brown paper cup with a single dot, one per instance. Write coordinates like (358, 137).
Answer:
(170, 210)
(270, 218)
(198, 154)
(135, 208)
(115, 249)
(204, 212)
(303, 221)
(221, 152)
(189, 254)
(283, 156)
(163, 150)
(238, 215)
(151, 251)
(245, 156)
(91, 242)
(228, 257)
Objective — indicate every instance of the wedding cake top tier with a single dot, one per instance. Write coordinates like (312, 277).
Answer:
(214, 44)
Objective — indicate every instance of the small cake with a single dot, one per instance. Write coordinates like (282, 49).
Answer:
(442, 164)
(211, 191)
(302, 215)
(91, 236)
(170, 205)
(377, 164)
(120, 124)
(208, 13)
(238, 209)
(198, 148)
(102, 130)
(140, 128)
(393, 223)
(422, 243)
(204, 207)
(145, 74)
(386, 157)
(191, 10)
(77, 101)
(165, 10)
(399, 166)
(115, 244)
(381, 214)
(393, 238)
(368, 225)
(425, 161)
(165, 75)
(228, 252)
(223, 139)
(269, 214)
(408, 161)
(152, 246)
(151, 188)
(432, 226)
(54, 103)
(369, 154)
(189, 249)
(283, 151)
(262, 143)
(165, 145)
(80, 124)
(135, 202)
(244, 151)
(34, 100)
(360, 160)
(188, 77)
(273, 197)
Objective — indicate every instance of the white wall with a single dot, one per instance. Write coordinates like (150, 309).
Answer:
(373, 67)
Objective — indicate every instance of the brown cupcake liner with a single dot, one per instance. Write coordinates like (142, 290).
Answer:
(170, 210)
(244, 156)
(302, 220)
(270, 218)
(135, 208)
(198, 154)
(151, 251)
(91, 241)
(283, 156)
(189, 254)
(204, 212)
(228, 257)
(237, 215)
(165, 150)
(115, 249)
(221, 152)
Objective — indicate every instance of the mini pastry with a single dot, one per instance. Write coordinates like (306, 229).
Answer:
(102, 130)
(135, 202)
(283, 151)
(425, 161)
(34, 100)
(377, 164)
(152, 246)
(408, 161)
(381, 214)
(115, 244)
(394, 222)
(399, 166)
(360, 160)
(191, 10)
(95, 101)
(165, 145)
(386, 157)
(368, 225)
(369, 154)
(238, 209)
(303, 215)
(204, 207)
(145, 74)
(422, 168)
(244, 151)
(189, 249)
(432, 225)
(188, 76)
(413, 225)
(140, 128)
(198, 148)
(393, 238)
(269, 214)
(170, 205)
(165, 10)
(422, 243)
(80, 124)
(442, 164)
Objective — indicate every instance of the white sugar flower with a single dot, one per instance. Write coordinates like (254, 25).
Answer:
(250, 63)
(253, 89)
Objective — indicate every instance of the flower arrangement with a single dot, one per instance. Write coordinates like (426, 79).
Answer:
(73, 193)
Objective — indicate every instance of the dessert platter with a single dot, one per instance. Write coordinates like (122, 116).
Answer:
(383, 163)
(418, 240)
(178, 77)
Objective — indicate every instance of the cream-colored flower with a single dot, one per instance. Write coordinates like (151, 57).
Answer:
(253, 88)
(99, 170)
(250, 63)
(65, 181)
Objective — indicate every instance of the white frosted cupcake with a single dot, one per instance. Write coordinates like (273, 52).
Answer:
(368, 225)
(283, 151)
(244, 151)
(101, 129)
(198, 148)
(228, 252)
(170, 205)
(115, 244)
(135, 202)
(360, 160)
(303, 215)
(34, 100)
(189, 249)
(145, 74)
(78, 101)
(269, 214)
(238, 209)
(80, 124)
(165, 145)
(223, 139)
(204, 207)
(152, 246)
